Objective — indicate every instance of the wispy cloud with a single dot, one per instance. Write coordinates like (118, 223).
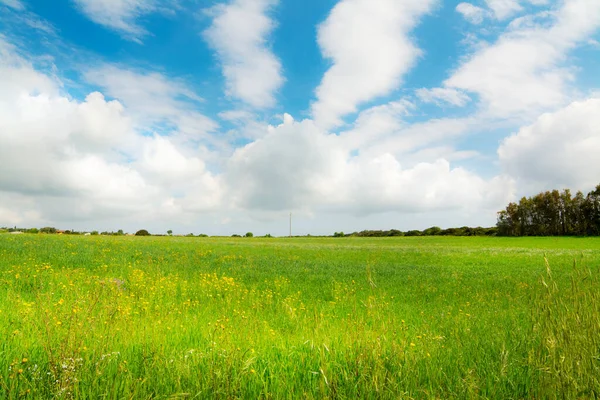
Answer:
(440, 96)
(119, 15)
(16, 4)
(154, 98)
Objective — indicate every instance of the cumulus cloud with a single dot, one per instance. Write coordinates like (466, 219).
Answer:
(526, 71)
(370, 48)
(559, 150)
(119, 15)
(471, 13)
(442, 96)
(87, 159)
(299, 166)
(239, 34)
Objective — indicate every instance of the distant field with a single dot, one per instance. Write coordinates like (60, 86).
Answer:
(169, 317)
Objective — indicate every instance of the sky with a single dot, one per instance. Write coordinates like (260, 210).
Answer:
(223, 117)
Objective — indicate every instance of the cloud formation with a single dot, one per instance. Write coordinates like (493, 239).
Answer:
(16, 4)
(440, 96)
(369, 45)
(298, 166)
(559, 150)
(525, 71)
(471, 13)
(239, 34)
(89, 157)
(119, 15)
(154, 98)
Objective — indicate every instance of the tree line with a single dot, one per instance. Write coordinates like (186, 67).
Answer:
(552, 213)
(433, 231)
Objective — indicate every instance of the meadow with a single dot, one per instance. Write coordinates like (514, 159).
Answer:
(345, 318)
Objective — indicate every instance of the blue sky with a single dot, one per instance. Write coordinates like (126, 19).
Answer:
(224, 116)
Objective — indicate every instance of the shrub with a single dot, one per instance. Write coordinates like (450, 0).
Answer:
(202, 235)
(338, 234)
(249, 234)
(142, 232)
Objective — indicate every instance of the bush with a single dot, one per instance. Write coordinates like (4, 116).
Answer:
(235, 235)
(338, 234)
(249, 234)
(94, 233)
(142, 232)
(202, 235)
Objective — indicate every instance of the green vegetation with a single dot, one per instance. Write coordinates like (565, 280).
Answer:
(552, 214)
(410, 317)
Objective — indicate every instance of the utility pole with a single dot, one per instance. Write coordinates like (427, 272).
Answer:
(290, 224)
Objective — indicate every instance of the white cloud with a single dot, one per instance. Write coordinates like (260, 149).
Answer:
(471, 13)
(119, 15)
(16, 4)
(369, 45)
(440, 96)
(88, 160)
(236, 115)
(526, 71)
(559, 150)
(503, 9)
(239, 34)
(155, 99)
(297, 166)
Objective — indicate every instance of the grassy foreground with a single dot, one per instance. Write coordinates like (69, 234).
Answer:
(132, 317)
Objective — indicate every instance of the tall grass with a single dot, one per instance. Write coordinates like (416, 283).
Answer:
(248, 318)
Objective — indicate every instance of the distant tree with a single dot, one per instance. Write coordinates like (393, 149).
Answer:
(120, 232)
(249, 234)
(434, 230)
(48, 229)
(413, 233)
(142, 232)
(94, 233)
(338, 234)
(33, 230)
(202, 235)
(235, 235)
(268, 235)
(592, 211)
(190, 235)
(170, 232)
(552, 213)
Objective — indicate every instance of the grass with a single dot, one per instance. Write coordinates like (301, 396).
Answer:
(131, 317)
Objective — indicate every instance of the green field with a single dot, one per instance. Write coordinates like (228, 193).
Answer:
(131, 317)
